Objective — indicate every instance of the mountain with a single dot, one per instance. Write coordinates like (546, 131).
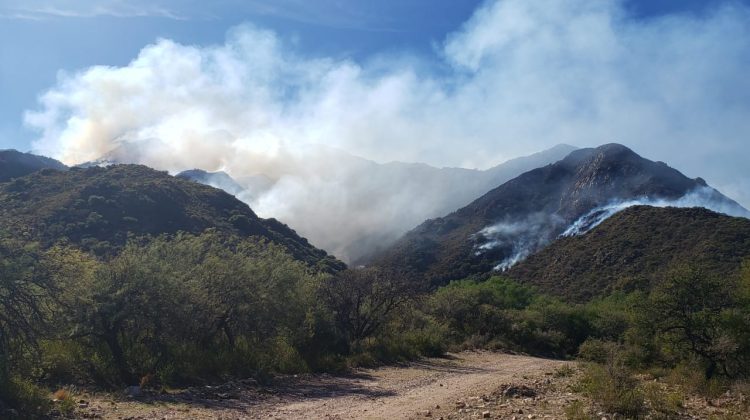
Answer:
(219, 179)
(351, 206)
(635, 249)
(14, 164)
(526, 213)
(99, 208)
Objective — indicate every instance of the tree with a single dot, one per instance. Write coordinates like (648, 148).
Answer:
(25, 299)
(689, 312)
(364, 299)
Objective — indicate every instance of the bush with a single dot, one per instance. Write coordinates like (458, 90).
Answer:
(663, 404)
(24, 397)
(576, 410)
(613, 388)
(598, 351)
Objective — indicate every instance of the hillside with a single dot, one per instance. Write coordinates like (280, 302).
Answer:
(99, 208)
(14, 164)
(524, 214)
(634, 249)
(218, 179)
(351, 206)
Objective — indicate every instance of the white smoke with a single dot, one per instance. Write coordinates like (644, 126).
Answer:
(517, 77)
(520, 238)
(701, 197)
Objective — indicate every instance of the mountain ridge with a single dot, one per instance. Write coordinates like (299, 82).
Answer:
(14, 164)
(524, 214)
(99, 209)
(635, 249)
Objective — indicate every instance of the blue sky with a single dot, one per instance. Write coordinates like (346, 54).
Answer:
(39, 38)
(246, 85)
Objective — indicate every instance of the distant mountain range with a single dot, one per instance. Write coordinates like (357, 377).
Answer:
(635, 249)
(523, 215)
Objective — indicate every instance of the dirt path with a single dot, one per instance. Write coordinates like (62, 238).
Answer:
(451, 388)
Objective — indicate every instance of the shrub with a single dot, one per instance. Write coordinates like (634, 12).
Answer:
(26, 398)
(613, 388)
(576, 410)
(595, 350)
(664, 404)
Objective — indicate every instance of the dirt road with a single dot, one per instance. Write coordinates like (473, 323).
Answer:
(463, 385)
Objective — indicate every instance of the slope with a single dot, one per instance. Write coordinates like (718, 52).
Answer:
(523, 215)
(635, 249)
(14, 164)
(100, 208)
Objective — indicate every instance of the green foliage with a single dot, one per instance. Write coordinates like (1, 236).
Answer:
(26, 398)
(635, 250)
(187, 307)
(613, 387)
(100, 209)
(695, 316)
(576, 410)
(500, 313)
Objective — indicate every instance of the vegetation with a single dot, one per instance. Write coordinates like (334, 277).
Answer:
(131, 277)
(100, 209)
(14, 164)
(635, 250)
(540, 204)
(187, 308)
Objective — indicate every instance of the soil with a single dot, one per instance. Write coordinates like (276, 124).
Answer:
(463, 385)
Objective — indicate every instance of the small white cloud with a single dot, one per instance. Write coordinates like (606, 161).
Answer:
(46, 9)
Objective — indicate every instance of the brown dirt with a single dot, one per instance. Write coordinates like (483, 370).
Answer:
(463, 385)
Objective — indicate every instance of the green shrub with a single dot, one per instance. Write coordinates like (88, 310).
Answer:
(576, 410)
(25, 397)
(598, 351)
(564, 371)
(663, 404)
(613, 388)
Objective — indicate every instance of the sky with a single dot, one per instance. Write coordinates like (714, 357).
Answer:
(185, 83)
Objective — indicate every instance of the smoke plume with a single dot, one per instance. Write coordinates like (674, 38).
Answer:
(521, 238)
(517, 77)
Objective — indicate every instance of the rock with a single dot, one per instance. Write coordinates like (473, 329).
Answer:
(437, 406)
(428, 413)
(520, 411)
(460, 404)
(134, 391)
(518, 391)
(531, 416)
(485, 414)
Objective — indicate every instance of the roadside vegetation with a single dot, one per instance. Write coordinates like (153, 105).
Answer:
(190, 309)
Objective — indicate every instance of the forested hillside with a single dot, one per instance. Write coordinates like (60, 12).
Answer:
(635, 249)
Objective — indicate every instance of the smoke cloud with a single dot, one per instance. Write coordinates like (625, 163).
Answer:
(521, 238)
(517, 77)
(518, 239)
